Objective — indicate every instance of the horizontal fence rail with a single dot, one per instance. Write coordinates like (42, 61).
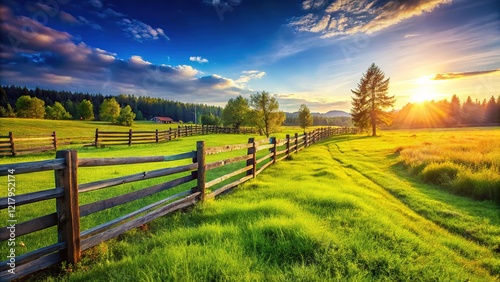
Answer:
(202, 179)
(15, 146)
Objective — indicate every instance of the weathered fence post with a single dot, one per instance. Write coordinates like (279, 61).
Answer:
(96, 138)
(273, 141)
(178, 131)
(288, 144)
(200, 172)
(130, 137)
(54, 140)
(68, 211)
(296, 142)
(12, 145)
(305, 140)
(157, 136)
(252, 161)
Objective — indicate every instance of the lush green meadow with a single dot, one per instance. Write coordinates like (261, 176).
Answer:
(350, 208)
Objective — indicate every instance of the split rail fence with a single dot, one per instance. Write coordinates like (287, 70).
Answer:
(11, 145)
(198, 178)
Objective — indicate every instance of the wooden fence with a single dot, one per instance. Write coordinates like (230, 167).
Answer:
(14, 146)
(252, 158)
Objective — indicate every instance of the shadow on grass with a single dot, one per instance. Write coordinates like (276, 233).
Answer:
(485, 211)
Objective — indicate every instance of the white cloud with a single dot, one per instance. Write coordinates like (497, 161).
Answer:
(360, 16)
(140, 31)
(51, 59)
(249, 75)
(198, 59)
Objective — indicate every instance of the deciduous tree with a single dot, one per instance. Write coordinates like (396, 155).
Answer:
(28, 107)
(305, 118)
(57, 112)
(266, 114)
(109, 110)
(86, 110)
(236, 112)
(371, 99)
(126, 116)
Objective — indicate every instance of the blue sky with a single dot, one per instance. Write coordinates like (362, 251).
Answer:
(208, 51)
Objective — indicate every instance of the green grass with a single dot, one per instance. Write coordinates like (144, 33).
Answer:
(466, 164)
(69, 128)
(345, 209)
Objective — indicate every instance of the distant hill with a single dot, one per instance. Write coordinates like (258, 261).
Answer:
(333, 113)
(336, 113)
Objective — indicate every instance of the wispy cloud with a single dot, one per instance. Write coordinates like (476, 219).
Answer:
(410, 35)
(133, 28)
(92, 24)
(198, 59)
(344, 17)
(140, 31)
(51, 57)
(249, 75)
(456, 75)
(95, 3)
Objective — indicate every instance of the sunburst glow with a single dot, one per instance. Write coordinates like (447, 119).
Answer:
(425, 90)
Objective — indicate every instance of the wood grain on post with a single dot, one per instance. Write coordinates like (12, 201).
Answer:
(201, 175)
(12, 146)
(251, 152)
(68, 211)
(55, 140)
(288, 144)
(96, 137)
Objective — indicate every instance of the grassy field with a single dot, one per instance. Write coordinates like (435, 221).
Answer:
(345, 209)
(26, 183)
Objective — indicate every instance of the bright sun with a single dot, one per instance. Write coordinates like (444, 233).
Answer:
(424, 90)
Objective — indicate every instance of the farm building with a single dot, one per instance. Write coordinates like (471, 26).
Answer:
(162, 119)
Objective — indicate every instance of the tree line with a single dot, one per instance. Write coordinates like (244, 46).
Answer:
(371, 101)
(451, 113)
(261, 111)
(142, 106)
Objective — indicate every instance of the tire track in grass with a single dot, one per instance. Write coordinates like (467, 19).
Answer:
(426, 210)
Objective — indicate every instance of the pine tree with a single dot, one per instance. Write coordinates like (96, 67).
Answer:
(371, 99)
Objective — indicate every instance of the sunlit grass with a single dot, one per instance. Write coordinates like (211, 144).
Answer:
(465, 164)
(341, 210)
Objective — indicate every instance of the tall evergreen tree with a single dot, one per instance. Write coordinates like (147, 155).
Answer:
(371, 99)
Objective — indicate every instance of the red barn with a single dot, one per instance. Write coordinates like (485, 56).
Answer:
(162, 119)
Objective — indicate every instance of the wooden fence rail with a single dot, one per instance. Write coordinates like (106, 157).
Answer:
(250, 160)
(11, 145)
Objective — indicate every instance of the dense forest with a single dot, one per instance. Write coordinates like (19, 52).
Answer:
(446, 113)
(143, 107)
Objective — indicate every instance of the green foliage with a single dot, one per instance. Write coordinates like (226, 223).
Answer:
(126, 116)
(139, 116)
(28, 107)
(305, 118)
(441, 173)
(236, 113)
(210, 119)
(7, 111)
(86, 110)
(265, 114)
(371, 99)
(109, 110)
(149, 106)
(57, 112)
